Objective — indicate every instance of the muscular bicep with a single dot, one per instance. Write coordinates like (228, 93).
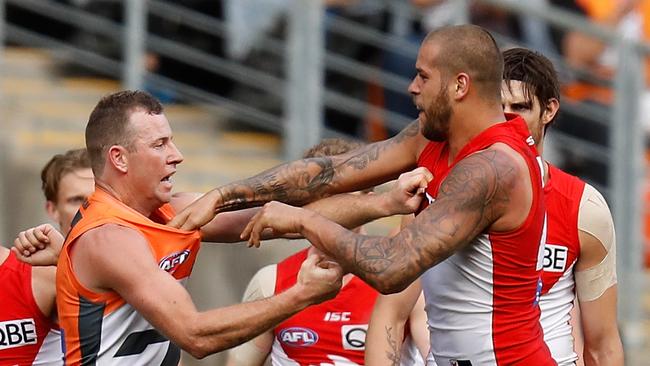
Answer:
(474, 196)
(134, 275)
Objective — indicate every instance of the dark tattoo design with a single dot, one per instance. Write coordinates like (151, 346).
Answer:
(474, 194)
(306, 180)
(373, 152)
(393, 354)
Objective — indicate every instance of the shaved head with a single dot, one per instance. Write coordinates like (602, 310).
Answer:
(472, 50)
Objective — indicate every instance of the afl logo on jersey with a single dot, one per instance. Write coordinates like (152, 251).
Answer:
(171, 262)
(298, 337)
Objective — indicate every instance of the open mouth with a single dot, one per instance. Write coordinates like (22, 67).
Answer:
(168, 178)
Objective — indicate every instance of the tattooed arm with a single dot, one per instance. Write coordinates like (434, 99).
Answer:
(490, 189)
(306, 180)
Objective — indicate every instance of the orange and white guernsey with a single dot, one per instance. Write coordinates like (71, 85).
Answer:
(101, 328)
(482, 302)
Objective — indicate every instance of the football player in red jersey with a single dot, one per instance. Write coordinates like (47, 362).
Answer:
(67, 181)
(480, 233)
(580, 251)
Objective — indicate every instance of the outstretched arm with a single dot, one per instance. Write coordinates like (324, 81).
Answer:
(347, 209)
(484, 189)
(164, 302)
(303, 181)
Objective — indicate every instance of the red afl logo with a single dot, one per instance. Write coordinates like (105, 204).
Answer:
(298, 337)
(171, 262)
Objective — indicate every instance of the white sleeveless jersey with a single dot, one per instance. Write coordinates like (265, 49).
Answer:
(556, 307)
(482, 302)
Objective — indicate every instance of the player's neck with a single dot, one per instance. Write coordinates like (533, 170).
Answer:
(468, 123)
(126, 196)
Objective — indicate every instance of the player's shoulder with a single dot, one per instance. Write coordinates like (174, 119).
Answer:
(594, 206)
(110, 239)
(262, 284)
(498, 159)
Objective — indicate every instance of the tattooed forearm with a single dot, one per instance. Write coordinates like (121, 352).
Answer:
(306, 180)
(393, 354)
(472, 196)
(297, 183)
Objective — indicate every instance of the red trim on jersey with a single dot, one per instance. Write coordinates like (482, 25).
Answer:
(562, 194)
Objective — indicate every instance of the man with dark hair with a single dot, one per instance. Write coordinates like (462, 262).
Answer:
(479, 236)
(580, 251)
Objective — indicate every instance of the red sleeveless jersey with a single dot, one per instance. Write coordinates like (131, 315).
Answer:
(333, 332)
(562, 193)
(23, 327)
(482, 302)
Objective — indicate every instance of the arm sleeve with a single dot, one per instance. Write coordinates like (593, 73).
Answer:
(595, 219)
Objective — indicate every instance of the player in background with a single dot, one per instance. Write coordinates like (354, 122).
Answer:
(331, 332)
(30, 334)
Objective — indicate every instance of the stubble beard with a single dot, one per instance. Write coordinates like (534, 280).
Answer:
(436, 125)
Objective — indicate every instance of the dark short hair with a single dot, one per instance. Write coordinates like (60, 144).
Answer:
(535, 72)
(108, 124)
(470, 49)
(60, 165)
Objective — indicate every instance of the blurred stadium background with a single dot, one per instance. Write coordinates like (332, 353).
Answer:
(250, 83)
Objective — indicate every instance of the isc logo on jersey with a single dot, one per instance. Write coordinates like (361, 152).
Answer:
(171, 262)
(17, 333)
(555, 258)
(298, 337)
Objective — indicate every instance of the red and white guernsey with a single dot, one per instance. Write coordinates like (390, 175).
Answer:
(482, 302)
(27, 336)
(330, 333)
(562, 194)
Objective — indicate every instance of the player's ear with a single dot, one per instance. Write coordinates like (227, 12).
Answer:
(52, 212)
(550, 110)
(461, 85)
(117, 157)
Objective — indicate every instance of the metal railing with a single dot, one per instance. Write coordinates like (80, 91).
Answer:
(303, 96)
